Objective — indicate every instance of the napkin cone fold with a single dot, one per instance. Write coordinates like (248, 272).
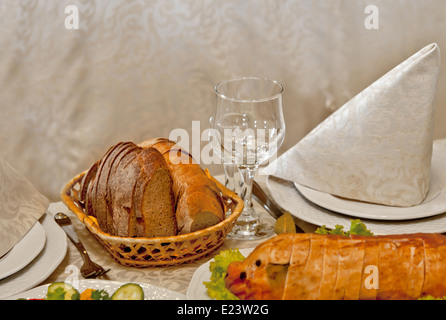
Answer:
(378, 146)
(21, 205)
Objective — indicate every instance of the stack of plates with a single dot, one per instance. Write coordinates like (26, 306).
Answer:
(33, 258)
(321, 208)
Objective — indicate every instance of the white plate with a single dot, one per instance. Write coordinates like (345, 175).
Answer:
(23, 252)
(151, 292)
(433, 204)
(289, 198)
(43, 265)
(196, 289)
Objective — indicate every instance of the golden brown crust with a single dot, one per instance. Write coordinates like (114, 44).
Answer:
(329, 268)
(370, 275)
(431, 285)
(335, 267)
(298, 260)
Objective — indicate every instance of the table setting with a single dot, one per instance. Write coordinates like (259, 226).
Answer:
(361, 160)
(148, 214)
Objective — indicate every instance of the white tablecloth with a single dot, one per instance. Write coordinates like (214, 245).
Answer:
(175, 278)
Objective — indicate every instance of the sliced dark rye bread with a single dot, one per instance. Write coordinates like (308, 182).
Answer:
(102, 181)
(95, 205)
(153, 199)
(86, 182)
(127, 182)
(120, 188)
(86, 179)
(127, 150)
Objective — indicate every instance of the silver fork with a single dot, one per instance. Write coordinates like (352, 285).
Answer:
(89, 269)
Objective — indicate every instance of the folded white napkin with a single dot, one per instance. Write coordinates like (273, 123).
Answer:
(21, 205)
(378, 146)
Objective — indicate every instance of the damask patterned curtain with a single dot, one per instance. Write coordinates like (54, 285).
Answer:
(138, 69)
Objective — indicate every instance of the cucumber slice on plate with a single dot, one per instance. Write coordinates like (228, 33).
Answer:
(128, 291)
(62, 291)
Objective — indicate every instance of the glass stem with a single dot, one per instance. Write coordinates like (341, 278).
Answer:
(248, 174)
(229, 169)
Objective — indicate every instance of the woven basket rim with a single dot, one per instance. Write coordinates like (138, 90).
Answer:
(69, 201)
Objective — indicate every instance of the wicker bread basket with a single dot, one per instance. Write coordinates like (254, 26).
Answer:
(162, 251)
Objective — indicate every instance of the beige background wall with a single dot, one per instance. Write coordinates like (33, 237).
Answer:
(139, 69)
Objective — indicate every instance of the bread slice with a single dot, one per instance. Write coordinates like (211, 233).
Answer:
(129, 191)
(88, 177)
(102, 180)
(196, 211)
(158, 207)
(202, 206)
(153, 205)
(97, 201)
(85, 184)
(199, 180)
(114, 164)
(120, 186)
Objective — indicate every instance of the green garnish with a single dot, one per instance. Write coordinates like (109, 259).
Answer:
(62, 291)
(216, 288)
(356, 228)
(429, 297)
(100, 295)
(57, 294)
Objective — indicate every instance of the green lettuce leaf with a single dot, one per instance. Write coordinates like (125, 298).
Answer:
(216, 288)
(337, 231)
(356, 228)
(429, 297)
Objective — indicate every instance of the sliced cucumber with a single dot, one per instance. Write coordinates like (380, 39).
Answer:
(128, 291)
(62, 291)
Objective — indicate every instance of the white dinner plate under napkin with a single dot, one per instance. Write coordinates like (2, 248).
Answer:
(21, 205)
(43, 265)
(23, 252)
(289, 198)
(433, 204)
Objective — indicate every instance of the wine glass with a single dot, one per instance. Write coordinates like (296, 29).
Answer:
(250, 127)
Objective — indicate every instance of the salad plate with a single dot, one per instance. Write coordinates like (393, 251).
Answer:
(151, 292)
(196, 289)
(24, 251)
